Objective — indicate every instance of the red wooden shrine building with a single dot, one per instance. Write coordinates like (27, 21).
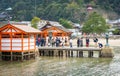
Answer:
(50, 30)
(17, 39)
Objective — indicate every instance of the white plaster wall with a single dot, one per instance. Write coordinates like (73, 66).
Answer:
(5, 48)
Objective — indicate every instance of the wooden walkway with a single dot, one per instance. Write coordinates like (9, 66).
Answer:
(67, 51)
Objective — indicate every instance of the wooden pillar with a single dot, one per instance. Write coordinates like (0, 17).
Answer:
(45, 34)
(0, 42)
(28, 46)
(43, 52)
(0, 47)
(22, 56)
(80, 53)
(62, 53)
(34, 41)
(22, 47)
(22, 42)
(77, 53)
(0, 55)
(99, 53)
(49, 53)
(59, 53)
(34, 46)
(53, 35)
(90, 53)
(39, 52)
(11, 54)
(62, 35)
(68, 53)
(52, 53)
(71, 53)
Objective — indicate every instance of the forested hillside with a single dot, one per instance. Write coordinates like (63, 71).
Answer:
(73, 10)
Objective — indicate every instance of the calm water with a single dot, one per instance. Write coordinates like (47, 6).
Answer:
(55, 66)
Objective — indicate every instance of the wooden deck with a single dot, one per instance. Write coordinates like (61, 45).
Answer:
(67, 51)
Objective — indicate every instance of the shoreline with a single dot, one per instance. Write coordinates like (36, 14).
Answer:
(112, 42)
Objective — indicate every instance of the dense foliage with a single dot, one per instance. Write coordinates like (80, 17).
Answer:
(35, 22)
(95, 24)
(72, 10)
(66, 23)
(116, 32)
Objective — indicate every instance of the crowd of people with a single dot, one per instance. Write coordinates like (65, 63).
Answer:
(54, 42)
(61, 42)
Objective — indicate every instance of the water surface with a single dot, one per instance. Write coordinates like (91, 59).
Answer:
(61, 66)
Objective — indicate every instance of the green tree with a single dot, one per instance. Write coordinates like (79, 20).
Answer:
(35, 21)
(66, 23)
(95, 24)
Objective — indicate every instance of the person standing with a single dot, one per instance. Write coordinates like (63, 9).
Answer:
(49, 44)
(38, 40)
(95, 41)
(62, 41)
(81, 42)
(70, 42)
(65, 41)
(57, 42)
(53, 42)
(42, 42)
(87, 42)
(78, 42)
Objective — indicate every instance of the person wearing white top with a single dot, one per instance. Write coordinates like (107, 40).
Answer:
(62, 42)
(70, 42)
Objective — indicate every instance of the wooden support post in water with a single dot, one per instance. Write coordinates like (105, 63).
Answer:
(39, 52)
(22, 56)
(43, 53)
(99, 53)
(71, 53)
(52, 53)
(90, 53)
(0, 55)
(62, 53)
(28, 55)
(77, 53)
(59, 53)
(34, 54)
(80, 53)
(68, 53)
(49, 53)
(11, 56)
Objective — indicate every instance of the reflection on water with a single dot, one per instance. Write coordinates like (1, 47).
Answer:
(58, 66)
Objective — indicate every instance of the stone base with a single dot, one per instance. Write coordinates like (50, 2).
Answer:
(107, 52)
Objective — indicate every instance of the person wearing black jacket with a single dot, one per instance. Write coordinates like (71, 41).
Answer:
(95, 41)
